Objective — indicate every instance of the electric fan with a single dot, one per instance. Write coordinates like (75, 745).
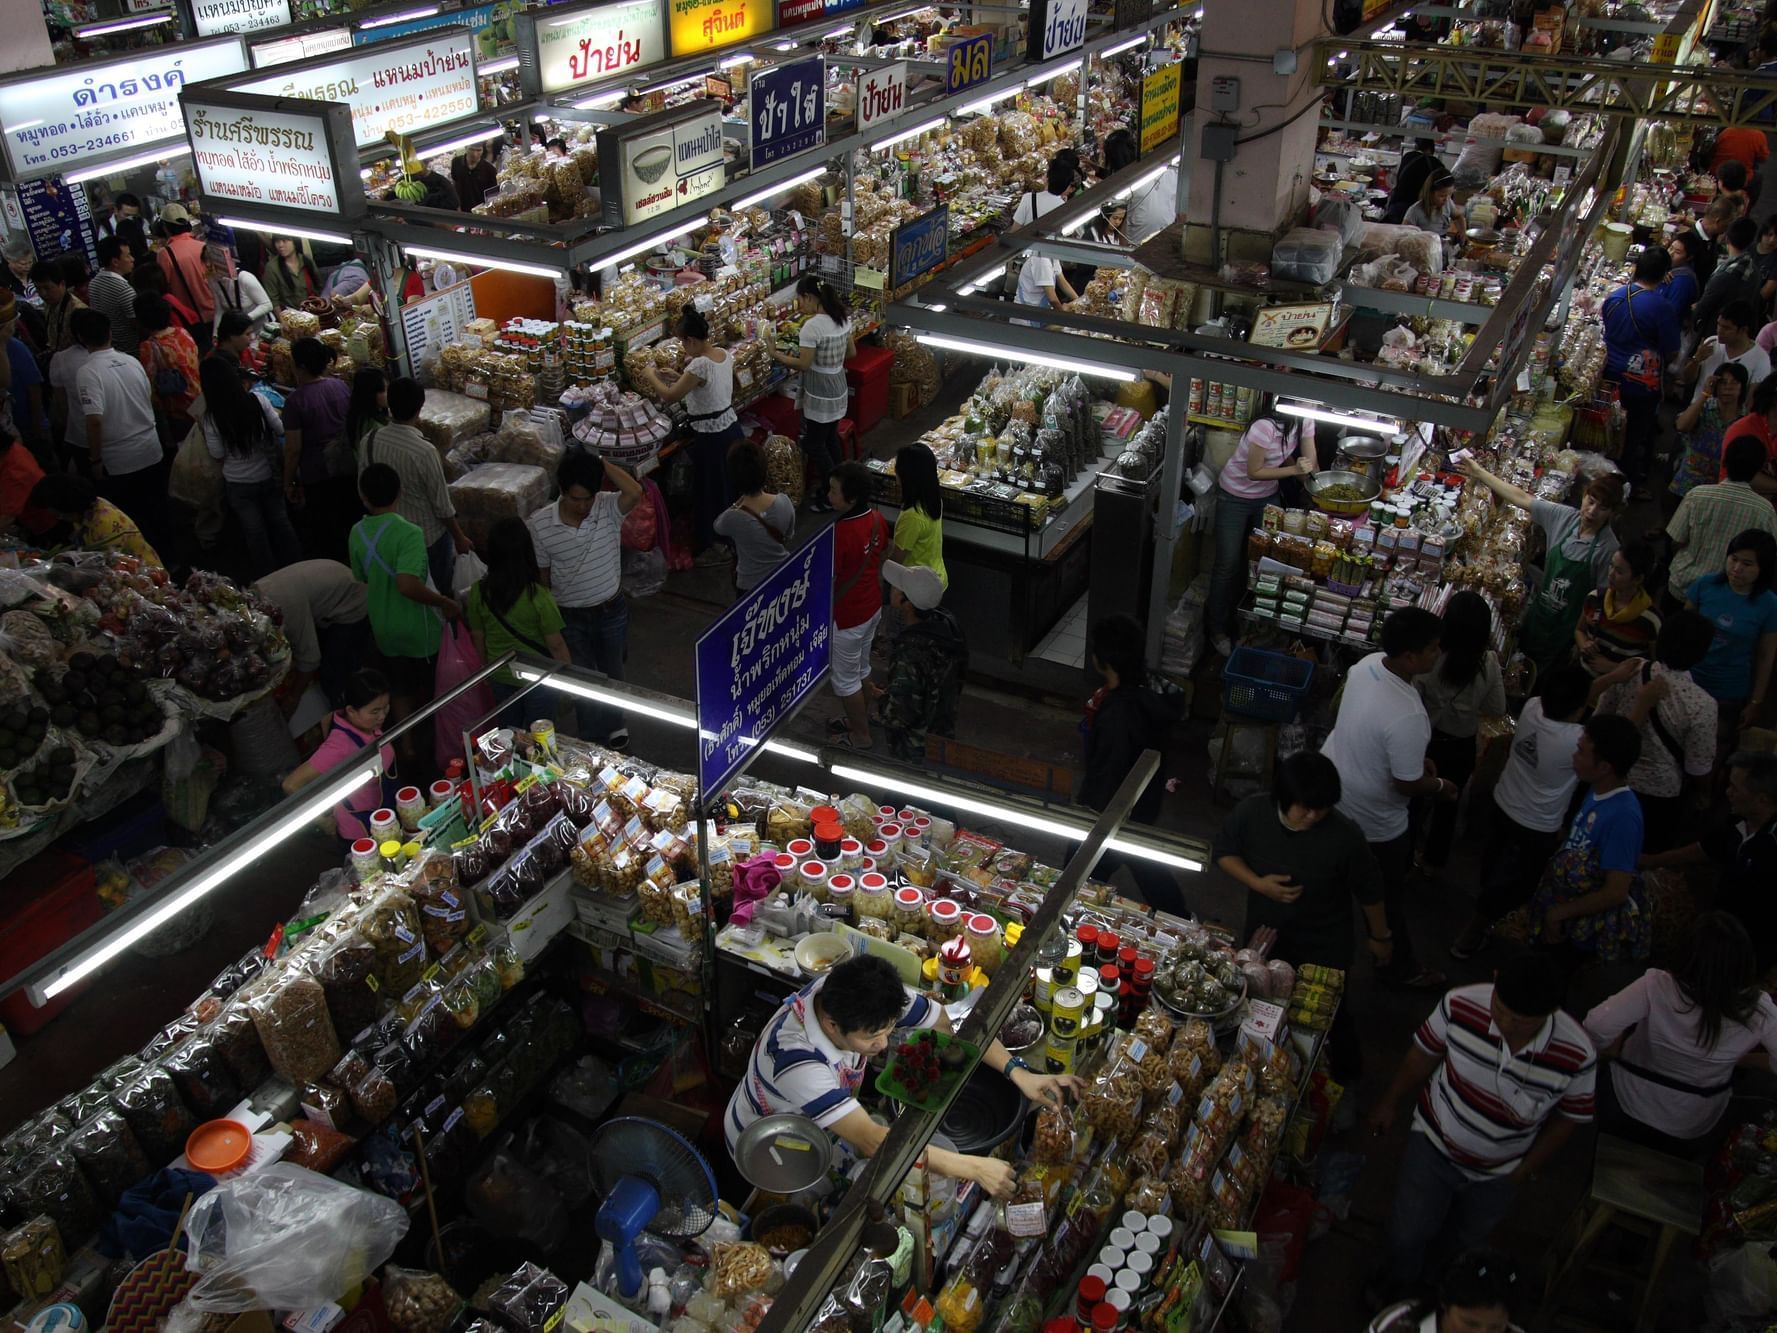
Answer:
(652, 1179)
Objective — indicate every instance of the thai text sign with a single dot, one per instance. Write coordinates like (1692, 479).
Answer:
(661, 162)
(709, 25)
(214, 17)
(87, 113)
(406, 87)
(277, 157)
(787, 110)
(882, 93)
(968, 62)
(282, 50)
(1159, 107)
(56, 219)
(792, 12)
(577, 48)
(1056, 27)
(761, 659)
(918, 246)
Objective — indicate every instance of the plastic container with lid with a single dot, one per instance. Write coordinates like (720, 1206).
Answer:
(443, 792)
(1161, 1225)
(1108, 944)
(918, 831)
(827, 838)
(389, 851)
(365, 860)
(785, 865)
(814, 879)
(409, 807)
(877, 850)
(823, 814)
(384, 824)
(910, 910)
(890, 833)
(866, 866)
(873, 897)
(851, 855)
(983, 934)
(842, 892)
(800, 848)
(1120, 1301)
(944, 920)
(1088, 938)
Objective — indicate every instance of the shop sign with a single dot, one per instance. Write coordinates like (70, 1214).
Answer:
(1297, 328)
(215, 17)
(761, 659)
(405, 87)
(300, 47)
(787, 110)
(842, 6)
(576, 47)
(57, 219)
(660, 162)
(882, 93)
(436, 321)
(480, 18)
(1159, 107)
(1056, 27)
(792, 12)
(969, 61)
(710, 25)
(919, 246)
(107, 109)
(276, 154)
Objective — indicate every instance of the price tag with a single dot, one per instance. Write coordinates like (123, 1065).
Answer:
(1026, 1219)
(1563, 174)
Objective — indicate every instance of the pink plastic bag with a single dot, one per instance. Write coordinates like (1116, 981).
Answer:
(457, 661)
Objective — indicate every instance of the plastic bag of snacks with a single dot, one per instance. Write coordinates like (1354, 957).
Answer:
(1055, 1137)
(741, 1267)
(783, 467)
(1112, 1105)
(419, 1302)
(290, 1014)
(151, 1106)
(107, 1151)
(33, 1258)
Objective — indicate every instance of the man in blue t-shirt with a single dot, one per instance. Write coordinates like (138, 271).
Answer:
(1641, 341)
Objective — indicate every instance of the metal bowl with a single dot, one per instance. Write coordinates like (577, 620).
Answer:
(1368, 489)
(1484, 237)
(1221, 1019)
(783, 1153)
(1026, 1016)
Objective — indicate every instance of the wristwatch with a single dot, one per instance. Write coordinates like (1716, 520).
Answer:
(1016, 1062)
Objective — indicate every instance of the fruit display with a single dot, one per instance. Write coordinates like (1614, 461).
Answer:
(100, 699)
(50, 781)
(924, 1068)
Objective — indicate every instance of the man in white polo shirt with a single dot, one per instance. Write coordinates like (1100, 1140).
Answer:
(579, 541)
(124, 454)
(1378, 745)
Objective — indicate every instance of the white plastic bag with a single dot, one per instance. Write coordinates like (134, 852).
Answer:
(466, 573)
(285, 1238)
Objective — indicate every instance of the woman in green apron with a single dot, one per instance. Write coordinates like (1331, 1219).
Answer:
(1580, 545)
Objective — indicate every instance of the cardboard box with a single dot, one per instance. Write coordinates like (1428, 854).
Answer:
(903, 399)
(539, 921)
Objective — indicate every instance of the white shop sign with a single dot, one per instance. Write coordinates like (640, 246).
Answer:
(667, 168)
(882, 93)
(82, 115)
(300, 47)
(1057, 27)
(406, 87)
(277, 159)
(220, 16)
(610, 39)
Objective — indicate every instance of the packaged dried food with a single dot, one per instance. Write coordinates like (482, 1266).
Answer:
(529, 1299)
(237, 1042)
(79, 1107)
(316, 1146)
(484, 977)
(461, 1003)
(1149, 1194)
(326, 1102)
(741, 1267)
(444, 915)
(1054, 1145)
(391, 924)
(472, 862)
(115, 1075)
(419, 1302)
(1151, 1152)
(687, 905)
(1112, 1105)
(50, 1183)
(159, 1119)
(374, 1097)
(32, 1256)
(203, 1079)
(1167, 1118)
(1155, 1028)
(106, 1149)
(290, 1015)
(509, 965)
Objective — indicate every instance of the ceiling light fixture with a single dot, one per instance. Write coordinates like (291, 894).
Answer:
(603, 102)
(642, 247)
(430, 11)
(773, 191)
(124, 25)
(905, 135)
(1292, 409)
(327, 237)
(996, 351)
(1055, 73)
(1121, 47)
(986, 103)
(177, 148)
(483, 261)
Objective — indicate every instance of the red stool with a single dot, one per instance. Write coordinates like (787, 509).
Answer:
(848, 440)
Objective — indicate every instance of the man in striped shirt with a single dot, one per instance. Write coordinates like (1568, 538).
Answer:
(1503, 1077)
(111, 294)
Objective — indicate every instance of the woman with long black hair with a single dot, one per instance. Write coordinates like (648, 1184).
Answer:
(241, 429)
(368, 408)
(1465, 686)
(512, 610)
(707, 386)
(822, 350)
(919, 531)
(1674, 1038)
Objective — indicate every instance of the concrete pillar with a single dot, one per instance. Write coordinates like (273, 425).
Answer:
(27, 46)
(1266, 184)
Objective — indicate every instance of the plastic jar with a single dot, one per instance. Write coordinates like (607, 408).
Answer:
(827, 838)
(878, 851)
(800, 848)
(873, 897)
(785, 865)
(910, 910)
(984, 942)
(851, 855)
(842, 891)
(409, 806)
(918, 831)
(443, 792)
(389, 852)
(384, 824)
(366, 862)
(944, 920)
(814, 879)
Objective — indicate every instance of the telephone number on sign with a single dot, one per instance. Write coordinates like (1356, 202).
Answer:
(62, 150)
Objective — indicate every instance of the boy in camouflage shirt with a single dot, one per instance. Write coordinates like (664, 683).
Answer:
(925, 675)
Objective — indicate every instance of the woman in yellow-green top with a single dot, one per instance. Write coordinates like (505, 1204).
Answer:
(510, 610)
(919, 531)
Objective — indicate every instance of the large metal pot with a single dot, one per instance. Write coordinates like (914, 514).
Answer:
(1363, 454)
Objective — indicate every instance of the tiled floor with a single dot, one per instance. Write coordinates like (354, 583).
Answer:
(1066, 643)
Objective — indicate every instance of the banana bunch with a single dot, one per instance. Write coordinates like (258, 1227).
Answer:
(408, 188)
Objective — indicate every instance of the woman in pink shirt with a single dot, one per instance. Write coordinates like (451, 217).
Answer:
(353, 727)
(1248, 481)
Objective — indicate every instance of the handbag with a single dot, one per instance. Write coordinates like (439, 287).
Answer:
(1646, 368)
(506, 624)
(169, 382)
(1673, 748)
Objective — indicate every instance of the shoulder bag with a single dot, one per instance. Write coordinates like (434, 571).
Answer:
(506, 624)
(870, 549)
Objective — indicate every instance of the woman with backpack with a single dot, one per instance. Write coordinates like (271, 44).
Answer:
(169, 355)
(760, 523)
(241, 429)
(512, 610)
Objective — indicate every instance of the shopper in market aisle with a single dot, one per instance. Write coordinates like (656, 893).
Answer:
(123, 448)
(822, 349)
(1730, 187)
(1681, 286)
(1058, 180)
(1703, 425)
(111, 294)
(290, 277)
(170, 356)
(59, 304)
(1760, 423)
(96, 524)
(707, 386)
(510, 609)
(1735, 279)
(67, 420)
(1711, 226)
(1475, 1295)
(425, 494)
(1741, 144)
(1580, 544)
(368, 408)
(810, 1058)
(580, 558)
(1303, 864)
(188, 275)
(25, 395)
(1379, 743)
(1739, 602)
(1732, 342)
(927, 665)
(241, 429)
(320, 455)
(473, 177)
(919, 528)
(1124, 717)
(1269, 451)
(326, 621)
(1466, 686)
(1710, 515)
(234, 288)
(1436, 209)
(760, 522)
(1742, 845)
(1502, 1078)
(1642, 339)
(364, 711)
(1618, 621)
(1764, 266)
(861, 542)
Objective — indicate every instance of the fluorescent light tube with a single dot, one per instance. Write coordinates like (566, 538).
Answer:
(1148, 179)
(1069, 228)
(499, 66)
(330, 237)
(904, 135)
(674, 83)
(430, 11)
(603, 102)
(1055, 73)
(166, 152)
(991, 275)
(326, 796)
(846, 31)
(986, 103)
(678, 717)
(462, 141)
(744, 58)
(1390, 424)
(642, 247)
(1121, 47)
(775, 190)
(510, 265)
(1034, 358)
(786, 46)
(123, 25)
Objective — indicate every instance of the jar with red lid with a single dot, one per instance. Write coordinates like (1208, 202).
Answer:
(785, 865)
(827, 838)
(910, 910)
(885, 812)
(983, 934)
(877, 850)
(1089, 1297)
(814, 879)
(1126, 958)
(918, 830)
(873, 897)
(823, 814)
(1109, 979)
(890, 833)
(842, 892)
(800, 848)
(1108, 944)
(944, 920)
(851, 855)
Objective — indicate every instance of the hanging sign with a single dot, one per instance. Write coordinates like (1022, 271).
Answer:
(787, 110)
(661, 162)
(1056, 27)
(968, 61)
(1159, 106)
(214, 17)
(57, 219)
(405, 87)
(760, 660)
(276, 154)
(434, 322)
(709, 25)
(792, 12)
(109, 108)
(882, 93)
(832, 7)
(1295, 328)
(563, 48)
(304, 45)
(918, 246)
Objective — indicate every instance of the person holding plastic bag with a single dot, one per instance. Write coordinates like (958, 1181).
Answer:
(512, 610)
(458, 660)
(357, 724)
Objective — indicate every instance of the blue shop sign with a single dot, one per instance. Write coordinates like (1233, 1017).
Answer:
(918, 246)
(787, 110)
(967, 62)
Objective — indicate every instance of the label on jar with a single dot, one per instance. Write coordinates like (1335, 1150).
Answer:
(418, 951)
(1026, 1219)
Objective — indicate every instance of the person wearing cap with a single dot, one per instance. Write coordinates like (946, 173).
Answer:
(235, 288)
(188, 275)
(925, 675)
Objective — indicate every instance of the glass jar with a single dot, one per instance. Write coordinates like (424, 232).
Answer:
(800, 849)
(842, 892)
(876, 850)
(910, 910)
(814, 880)
(918, 832)
(851, 855)
(944, 920)
(410, 806)
(984, 943)
(873, 897)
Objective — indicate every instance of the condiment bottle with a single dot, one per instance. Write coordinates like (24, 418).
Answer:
(827, 838)
(443, 792)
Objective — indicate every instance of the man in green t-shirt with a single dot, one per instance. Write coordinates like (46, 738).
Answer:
(389, 558)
